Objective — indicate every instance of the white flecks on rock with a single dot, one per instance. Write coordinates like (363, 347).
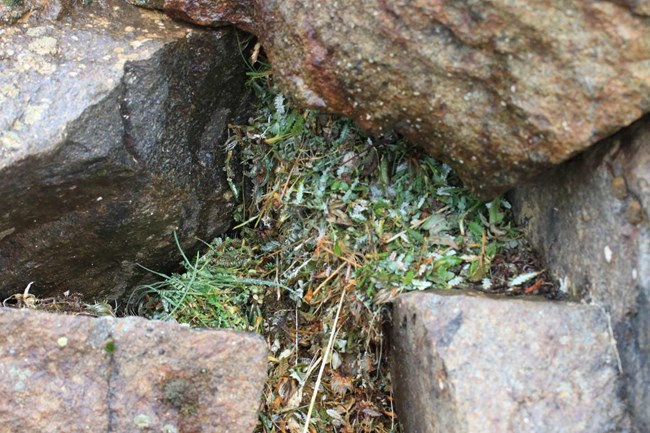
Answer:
(33, 113)
(10, 141)
(44, 46)
(36, 31)
(607, 251)
(9, 90)
(138, 43)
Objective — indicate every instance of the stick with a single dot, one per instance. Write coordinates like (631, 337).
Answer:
(330, 343)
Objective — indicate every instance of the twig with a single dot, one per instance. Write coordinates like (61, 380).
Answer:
(614, 343)
(297, 336)
(328, 350)
(277, 275)
(345, 259)
(320, 286)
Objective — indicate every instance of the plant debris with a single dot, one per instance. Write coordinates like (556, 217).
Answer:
(67, 303)
(332, 226)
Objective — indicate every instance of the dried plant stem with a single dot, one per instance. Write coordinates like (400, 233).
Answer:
(335, 273)
(328, 350)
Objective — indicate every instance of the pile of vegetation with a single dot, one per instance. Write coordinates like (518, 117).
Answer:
(333, 225)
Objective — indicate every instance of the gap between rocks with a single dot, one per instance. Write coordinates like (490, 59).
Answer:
(331, 214)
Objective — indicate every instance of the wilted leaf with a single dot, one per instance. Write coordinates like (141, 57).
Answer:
(523, 278)
(340, 384)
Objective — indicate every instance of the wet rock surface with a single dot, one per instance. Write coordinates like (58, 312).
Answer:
(499, 90)
(472, 364)
(112, 124)
(589, 220)
(80, 374)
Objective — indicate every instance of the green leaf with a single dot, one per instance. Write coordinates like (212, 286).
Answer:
(408, 278)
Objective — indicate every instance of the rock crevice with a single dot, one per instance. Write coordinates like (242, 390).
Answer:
(589, 219)
(500, 91)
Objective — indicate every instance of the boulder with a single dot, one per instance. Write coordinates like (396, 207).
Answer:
(80, 374)
(112, 128)
(463, 363)
(499, 90)
(589, 219)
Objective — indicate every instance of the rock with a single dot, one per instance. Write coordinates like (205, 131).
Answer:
(12, 11)
(464, 363)
(33, 10)
(207, 381)
(54, 373)
(80, 374)
(589, 220)
(112, 128)
(500, 90)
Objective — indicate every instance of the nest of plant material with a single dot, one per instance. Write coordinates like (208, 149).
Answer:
(332, 225)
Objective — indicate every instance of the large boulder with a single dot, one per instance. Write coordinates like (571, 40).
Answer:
(589, 219)
(472, 364)
(500, 90)
(79, 374)
(112, 128)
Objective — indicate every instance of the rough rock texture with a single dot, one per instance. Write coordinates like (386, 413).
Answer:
(79, 374)
(112, 124)
(209, 382)
(54, 373)
(500, 90)
(14, 10)
(589, 218)
(468, 364)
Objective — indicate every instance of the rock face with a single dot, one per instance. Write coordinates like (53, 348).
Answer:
(14, 10)
(589, 220)
(79, 374)
(463, 364)
(500, 90)
(112, 124)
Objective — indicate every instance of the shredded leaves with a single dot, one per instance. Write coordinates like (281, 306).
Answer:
(332, 226)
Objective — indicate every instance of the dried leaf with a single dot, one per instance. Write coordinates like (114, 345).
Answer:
(523, 278)
(340, 384)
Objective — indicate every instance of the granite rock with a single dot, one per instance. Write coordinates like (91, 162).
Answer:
(473, 364)
(589, 220)
(112, 128)
(80, 374)
(499, 90)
